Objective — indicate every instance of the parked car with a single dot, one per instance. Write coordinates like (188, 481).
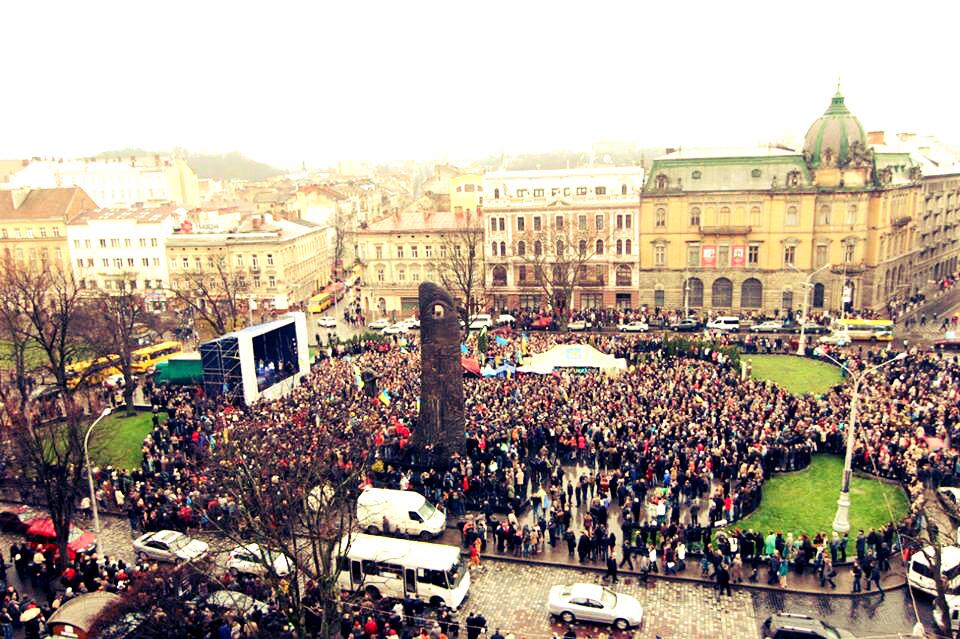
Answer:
(254, 559)
(578, 325)
(953, 604)
(327, 321)
(378, 325)
(836, 338)
(686, 325)
(808, 329)
(727, 323)
(17, 518)
(237, 602)
(542, 323)
(481, 320)
(786, 625)
(412, 323)
(592, 602)
(396, 329)
(636, 326)
(770, 326)
(169, 545)
(505, 319)
(41, 536)
(920, 573)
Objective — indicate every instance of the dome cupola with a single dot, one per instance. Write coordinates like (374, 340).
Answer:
(836, 139)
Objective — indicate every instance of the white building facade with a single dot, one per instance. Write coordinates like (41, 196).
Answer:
(112, 245)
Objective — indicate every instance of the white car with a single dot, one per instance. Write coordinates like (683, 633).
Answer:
(837, 338)
(169, 545)
(770, 326)
(636, 326)
(397, 329)
(235, 601)
(505, 318)
(412, 323)
(480, 321)
(327, 322)
(578, 325)
(592, 602)
(254, 559)
(378, 325)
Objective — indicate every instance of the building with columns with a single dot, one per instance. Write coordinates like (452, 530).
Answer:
(741, 230)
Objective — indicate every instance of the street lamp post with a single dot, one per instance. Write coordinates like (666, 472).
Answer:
(93, 495)
(802, 343)
(841, 522)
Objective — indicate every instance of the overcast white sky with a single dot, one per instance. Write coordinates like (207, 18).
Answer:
(318, 81)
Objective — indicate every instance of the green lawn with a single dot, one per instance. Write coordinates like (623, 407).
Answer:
(806, 501)
(35, 357)
(118, 439)
(798, 375)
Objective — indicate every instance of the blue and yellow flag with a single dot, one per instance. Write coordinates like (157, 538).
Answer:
(356, 376)
(385, 397)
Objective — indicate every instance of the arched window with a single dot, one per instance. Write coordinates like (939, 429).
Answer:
(751, 293)
(582, 248)
(619, 247)
(694, 292)
(537, 248)
(521, 248)
(499, 276)
(823, 217)
(628, 248)
(503, 249)
(818, 291)
(662, 182)
(494, 249)
(624, 276)
(723, 217)
(661, 218)
(721, 295)
(599, 247)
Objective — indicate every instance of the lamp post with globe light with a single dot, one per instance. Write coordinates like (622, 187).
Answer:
(93, 494)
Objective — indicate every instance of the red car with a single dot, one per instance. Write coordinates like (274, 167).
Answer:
(41, 536)
(17, 518)
(542, 323)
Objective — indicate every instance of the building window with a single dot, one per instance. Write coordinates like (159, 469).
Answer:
(818, 295)
(115, 242)
(849, 252)
(558, 222)
(619, 247)
(522, 274)
(503, 223)
(503, 249)
(619, 222)
(789, 254)
(693, 291)
(521, 223)
(660, 219)
(56, 231)
(143, 242)
(599, 222)
(103, 243)
(90, 262)
(823, 215)
(186, 262)
(659, 255)
(538, 193)
(659, 298)
(493, 252)
(662, 182)
(582, 222)
(582, 248)
(126, 243)
(196, 263)
(443, 251)
(153, 242)
(599, 250)
(628, 247)
(521, 248)
(118, 262)
(693, 255)
(755, 216)
(380, 275)
(751, 293)
(209, 261)
(559, 248)
(723, 218)
(239, 261)
(400, 252)
(721, 293)
(600, 190)
(414, 251)
(627, 220)
(820, 256)
(80, 262)
(787, 301)
(269, 259)
(156, 261)
(30, 233)
(271, 282)
(43, 231)
(146, 261)
(753, 255)
(723, 255)
(536, 222)
(695, 216)
(401, 275)
(852, 214)
(379, 251)
(537, 248)
(793, 216)
(581, 190)
(696, 175)
(499, 276)
(624, 275)
(493, 224)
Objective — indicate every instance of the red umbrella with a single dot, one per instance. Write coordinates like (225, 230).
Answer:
(935, 443)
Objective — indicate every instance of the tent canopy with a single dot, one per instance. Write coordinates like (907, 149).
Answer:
(470, 365)
(572, 356)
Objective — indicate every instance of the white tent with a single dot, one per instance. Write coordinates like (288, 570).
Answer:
(571, 356)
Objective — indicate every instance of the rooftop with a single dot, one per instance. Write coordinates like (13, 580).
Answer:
(138, 215)
(421, 221)
(556, 173)
(728, 152)
(43, 203)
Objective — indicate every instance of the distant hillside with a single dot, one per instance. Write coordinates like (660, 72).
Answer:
(230, 166)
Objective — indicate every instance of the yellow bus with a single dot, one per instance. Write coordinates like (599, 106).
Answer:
(873, 330)
(320, 302)
(92, 371)
(145, 358)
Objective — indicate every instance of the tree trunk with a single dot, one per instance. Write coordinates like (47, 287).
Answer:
(128, 399)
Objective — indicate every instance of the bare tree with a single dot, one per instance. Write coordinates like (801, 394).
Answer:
(49, 448)
(561, 255)
(218, 297)
(15, 333)
(342, 233)
(120, 311)
(460, 262)
(933, 537)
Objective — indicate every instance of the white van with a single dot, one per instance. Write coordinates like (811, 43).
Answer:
(920, 574)
(406, 513)
(953, 605)
(385, 567)
(725, 323)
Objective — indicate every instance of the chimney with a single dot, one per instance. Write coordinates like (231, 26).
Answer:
(876, 137)
(18, 196)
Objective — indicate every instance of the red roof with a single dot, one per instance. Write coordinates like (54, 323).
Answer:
(421, 221)
(60, 203)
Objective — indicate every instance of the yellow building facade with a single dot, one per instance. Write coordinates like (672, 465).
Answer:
(33, 225)
(743, 230)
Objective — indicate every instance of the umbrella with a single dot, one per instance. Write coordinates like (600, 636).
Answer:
(29, 614)
(935, 443)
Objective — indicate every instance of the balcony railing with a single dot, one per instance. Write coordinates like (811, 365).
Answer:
(725, 230)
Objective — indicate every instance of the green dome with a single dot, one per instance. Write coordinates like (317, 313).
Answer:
(830, 139)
